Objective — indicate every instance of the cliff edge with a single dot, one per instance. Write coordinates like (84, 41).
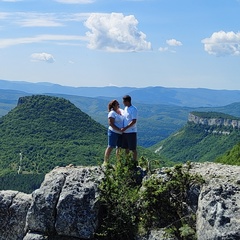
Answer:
(66, 206)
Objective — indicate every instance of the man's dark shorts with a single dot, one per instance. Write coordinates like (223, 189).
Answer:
(129, 141)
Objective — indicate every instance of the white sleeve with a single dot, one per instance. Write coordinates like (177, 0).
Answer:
(134, 113)
(111, 114)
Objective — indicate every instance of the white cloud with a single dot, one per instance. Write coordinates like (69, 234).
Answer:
(75, 1)
(10, 0)
(115, 33)
(34, 19)
(4, 15)
(173, 42)
(38, 20)
(43, 57)
(223, 43)
(163, 49)
(40, 38)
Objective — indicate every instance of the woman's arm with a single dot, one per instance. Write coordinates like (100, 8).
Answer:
(111, 123)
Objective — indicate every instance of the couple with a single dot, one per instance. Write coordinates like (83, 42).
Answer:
(122, 130)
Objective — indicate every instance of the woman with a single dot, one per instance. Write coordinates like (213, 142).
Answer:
(115, 121)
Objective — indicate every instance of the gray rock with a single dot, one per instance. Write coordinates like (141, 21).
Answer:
(160, 234)
(218, 214)
(13, 210)
(157, 234)
(66, 203)
(65, 207)
(79, 196)
(35, 236)
(42, 212)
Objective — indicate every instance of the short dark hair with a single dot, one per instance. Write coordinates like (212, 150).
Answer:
(127, 98)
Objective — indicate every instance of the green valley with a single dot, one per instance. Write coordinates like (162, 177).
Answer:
(200, 142)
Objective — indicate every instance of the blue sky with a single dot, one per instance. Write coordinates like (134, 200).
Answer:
(137, 43)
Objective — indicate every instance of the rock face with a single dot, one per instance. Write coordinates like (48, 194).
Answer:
(65, 207)
(214, 121)
(13, 210)
(218, 214)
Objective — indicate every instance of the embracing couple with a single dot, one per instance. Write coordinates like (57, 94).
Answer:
(122, 130)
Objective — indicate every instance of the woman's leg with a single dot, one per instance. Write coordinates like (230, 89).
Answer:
(107, 154)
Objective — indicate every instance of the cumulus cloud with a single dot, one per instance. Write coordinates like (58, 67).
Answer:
(42, 57)
(115, 33)
(222, 44)
(173, 42)
(75, 1)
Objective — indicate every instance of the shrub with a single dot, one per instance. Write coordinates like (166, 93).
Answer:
(119, 195)
(129, 208)
(164, 202)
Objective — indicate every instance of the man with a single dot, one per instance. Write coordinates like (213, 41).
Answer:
(130, 127)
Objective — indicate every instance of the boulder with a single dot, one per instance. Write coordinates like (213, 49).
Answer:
(218, 214)
(66, 204)
(13, 210)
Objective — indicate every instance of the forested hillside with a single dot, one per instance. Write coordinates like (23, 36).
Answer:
(231, 157)
(43, 132)
(49, 131)
(198, 142)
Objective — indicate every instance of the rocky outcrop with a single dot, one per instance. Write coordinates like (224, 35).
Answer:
(66, 207)
(235, 123)
(218, 214)
(13, 210)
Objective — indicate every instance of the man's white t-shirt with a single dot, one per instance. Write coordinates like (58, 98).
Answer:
(118, 120)
(129, 114)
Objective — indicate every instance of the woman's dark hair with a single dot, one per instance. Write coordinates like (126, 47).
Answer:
(112, 104)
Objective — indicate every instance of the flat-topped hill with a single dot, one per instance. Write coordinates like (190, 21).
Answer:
(43, 132)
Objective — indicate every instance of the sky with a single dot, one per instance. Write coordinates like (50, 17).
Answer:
(135, 43)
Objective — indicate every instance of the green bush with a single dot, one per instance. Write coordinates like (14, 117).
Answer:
(130, 207)
(164, 202)
(119, 195)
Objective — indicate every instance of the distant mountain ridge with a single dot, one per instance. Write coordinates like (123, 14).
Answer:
(156, 121)
(190, 97)
(46, 87)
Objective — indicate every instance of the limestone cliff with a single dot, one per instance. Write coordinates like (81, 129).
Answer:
(214, 121)
(65, 207)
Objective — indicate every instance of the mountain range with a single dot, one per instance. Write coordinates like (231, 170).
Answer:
(156, 121)
(190, 97)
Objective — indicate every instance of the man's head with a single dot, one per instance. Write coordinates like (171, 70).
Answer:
(127, 100)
